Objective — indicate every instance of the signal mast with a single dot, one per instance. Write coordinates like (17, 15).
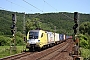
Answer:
(13, 29)
(76, 55)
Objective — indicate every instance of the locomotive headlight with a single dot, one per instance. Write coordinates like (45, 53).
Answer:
(38, 43)
(38, 40)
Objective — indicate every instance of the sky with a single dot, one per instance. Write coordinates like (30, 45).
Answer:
(46, 6)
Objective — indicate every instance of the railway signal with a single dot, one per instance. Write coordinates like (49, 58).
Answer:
(14, 18)
(12, 30)
(75, 17)
(76, 39)
(76, 22)
(75, 28)
(13, 24)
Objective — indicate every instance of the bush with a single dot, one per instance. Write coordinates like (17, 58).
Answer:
(19, 41)
(85, 53)
(4, 41)
(19, 34)
(84, 41)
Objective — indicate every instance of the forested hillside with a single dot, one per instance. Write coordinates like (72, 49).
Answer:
(61, 22)
(45, 21)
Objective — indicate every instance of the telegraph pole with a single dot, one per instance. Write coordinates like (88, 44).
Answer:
(24, 31)
(54, 32)
(24, 28)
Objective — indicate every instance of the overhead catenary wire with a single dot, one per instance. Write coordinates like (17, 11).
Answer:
(32, 5)
(67, 16)
(49, 5)
(57, 10)
(36, 7)
(3, 8)
(18, 5)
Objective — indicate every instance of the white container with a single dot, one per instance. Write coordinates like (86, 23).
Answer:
(50, 37)
(56, 37)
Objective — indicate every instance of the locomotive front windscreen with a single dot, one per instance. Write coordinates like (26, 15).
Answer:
(33, 35)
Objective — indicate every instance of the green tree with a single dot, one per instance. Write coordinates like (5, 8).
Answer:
(33, 24)
(85, 28)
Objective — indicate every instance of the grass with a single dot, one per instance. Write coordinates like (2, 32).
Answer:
(6, 51)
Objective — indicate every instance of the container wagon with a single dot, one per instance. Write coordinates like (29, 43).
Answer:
(62, 37)
(57, 41)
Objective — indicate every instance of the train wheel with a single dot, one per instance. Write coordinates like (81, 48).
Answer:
(33, 48)
(29, 49)
(39, 49)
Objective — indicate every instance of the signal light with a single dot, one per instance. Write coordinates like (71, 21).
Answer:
(13, 29)
(14, 18)
(12, 32)
(75, 26)
(75, 17)
(14, 24)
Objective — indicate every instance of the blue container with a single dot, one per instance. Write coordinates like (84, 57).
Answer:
(61, 37)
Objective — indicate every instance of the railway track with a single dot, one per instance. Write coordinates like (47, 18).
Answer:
(17, 56)
(64, 55)
(58, 52)
(51, 53)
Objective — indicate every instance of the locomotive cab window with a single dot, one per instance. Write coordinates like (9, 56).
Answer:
(33, 35)
(42, 35)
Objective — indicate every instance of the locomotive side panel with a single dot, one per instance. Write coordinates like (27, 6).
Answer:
(42, 38)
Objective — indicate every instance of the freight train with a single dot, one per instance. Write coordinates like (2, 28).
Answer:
(38, 39)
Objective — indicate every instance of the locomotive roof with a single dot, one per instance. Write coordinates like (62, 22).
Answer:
(34, 30)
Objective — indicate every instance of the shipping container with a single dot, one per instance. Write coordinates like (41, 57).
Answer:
(50, 37)
(56, 37)
(62, 37)
(68, 37)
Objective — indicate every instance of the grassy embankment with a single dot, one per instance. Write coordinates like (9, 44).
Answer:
(5, 51)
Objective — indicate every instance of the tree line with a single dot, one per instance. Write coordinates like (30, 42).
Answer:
(45, 21)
